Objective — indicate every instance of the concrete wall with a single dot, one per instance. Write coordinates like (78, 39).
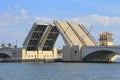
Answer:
(71, 53)
(48, 54)
(66, 53)
(17, 53)
(24, 53)
(31, 55)
(104, 43)
(39, 54)
(75, 53)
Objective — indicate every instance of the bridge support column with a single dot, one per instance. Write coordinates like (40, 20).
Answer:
(66, 53)
(71, 53)
(55, 56)
(75, 52)
(40, 54)
(24, 53)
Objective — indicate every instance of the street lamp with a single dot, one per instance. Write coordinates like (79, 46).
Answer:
(16, 42)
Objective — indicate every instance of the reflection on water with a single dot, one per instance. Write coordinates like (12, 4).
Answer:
(59, 71)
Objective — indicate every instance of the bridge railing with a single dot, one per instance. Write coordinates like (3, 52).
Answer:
(88, 34)
(113, 46)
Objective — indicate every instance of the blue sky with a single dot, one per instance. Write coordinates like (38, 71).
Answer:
(18, 16)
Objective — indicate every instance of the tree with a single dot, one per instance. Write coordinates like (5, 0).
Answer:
(3, 45)
(9, 45)
(15, 46)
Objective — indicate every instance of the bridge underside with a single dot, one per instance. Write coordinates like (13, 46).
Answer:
(39, 44)
(41, 36)
(100, 56)
(2, 55)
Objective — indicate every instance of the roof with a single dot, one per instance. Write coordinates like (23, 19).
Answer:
(106, 33)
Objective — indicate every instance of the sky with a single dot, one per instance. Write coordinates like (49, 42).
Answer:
(18, 16)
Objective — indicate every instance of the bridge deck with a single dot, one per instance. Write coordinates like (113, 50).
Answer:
(41, 36)
(75, 34)
(68, 33)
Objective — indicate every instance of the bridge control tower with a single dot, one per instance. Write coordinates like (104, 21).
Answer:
(106, 39)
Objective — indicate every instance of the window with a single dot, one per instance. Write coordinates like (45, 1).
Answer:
(35, 56)
(75, 52)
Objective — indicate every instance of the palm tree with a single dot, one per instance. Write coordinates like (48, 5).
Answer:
(9, 45)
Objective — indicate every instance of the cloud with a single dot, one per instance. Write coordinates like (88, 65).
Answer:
(97, 20)
(9, 36)
(24, 14)
(10, 33)
(13, 17)
(78, 20)
(9, 8)
(17, 6)
(18, 16)
(43, 19)
(103, 20)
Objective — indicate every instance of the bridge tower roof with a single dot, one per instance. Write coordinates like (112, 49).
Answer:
(106, 33)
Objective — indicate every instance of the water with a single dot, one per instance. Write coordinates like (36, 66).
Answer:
(59, 71)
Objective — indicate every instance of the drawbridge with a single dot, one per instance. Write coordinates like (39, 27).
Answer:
(80, 44)
(44, 36)
(75, 34)
(39, 43)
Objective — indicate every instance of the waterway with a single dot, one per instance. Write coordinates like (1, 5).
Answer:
(59, 71)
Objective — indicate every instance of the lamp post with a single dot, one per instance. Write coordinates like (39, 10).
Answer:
(15, 46)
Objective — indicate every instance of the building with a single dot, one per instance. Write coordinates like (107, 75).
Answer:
(106, 39)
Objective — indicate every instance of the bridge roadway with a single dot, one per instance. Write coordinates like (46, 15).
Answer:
(75, 34)
(99, 52)
(11, 53)
(6, 53)
(86, 53)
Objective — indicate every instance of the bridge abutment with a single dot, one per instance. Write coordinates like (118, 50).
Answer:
(71, 53)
